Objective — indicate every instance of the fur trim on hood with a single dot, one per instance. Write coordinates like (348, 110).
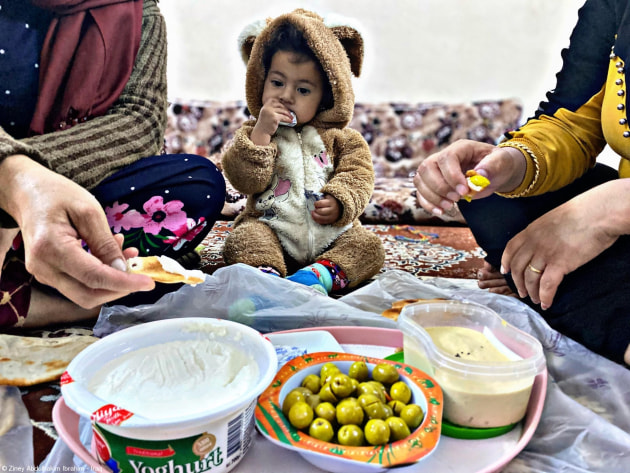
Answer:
(337, 45)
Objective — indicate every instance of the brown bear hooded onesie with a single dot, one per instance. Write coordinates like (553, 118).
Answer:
(324, 156)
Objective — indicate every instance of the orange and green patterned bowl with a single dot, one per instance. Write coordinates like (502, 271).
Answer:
(274, 425)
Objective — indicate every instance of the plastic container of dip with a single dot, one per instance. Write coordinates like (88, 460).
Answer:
(208, 436)
(478, 394)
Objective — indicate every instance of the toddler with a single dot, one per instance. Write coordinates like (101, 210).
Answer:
(307, 175)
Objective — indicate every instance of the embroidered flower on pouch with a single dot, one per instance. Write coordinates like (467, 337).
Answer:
(162, 225)
(186, 233)
(160, 215)
(118, 219)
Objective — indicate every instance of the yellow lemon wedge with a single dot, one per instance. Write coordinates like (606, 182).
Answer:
(476, 182)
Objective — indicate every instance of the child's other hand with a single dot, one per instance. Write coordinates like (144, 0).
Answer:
(327, 210)
(271, 114)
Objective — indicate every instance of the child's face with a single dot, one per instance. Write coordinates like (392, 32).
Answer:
(297, 85)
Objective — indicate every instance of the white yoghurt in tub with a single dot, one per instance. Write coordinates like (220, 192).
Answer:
(153, 381)
(171, 396)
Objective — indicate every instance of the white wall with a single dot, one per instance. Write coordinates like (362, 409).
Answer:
(416, 50)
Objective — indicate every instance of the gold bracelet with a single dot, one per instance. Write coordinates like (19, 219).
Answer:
(522, 147)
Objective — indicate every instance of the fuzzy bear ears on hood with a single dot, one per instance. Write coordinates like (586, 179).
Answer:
(348, 35)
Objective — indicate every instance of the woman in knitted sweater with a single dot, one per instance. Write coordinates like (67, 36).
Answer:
(82, 117)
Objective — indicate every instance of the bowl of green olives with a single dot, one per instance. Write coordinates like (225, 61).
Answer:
(350, 413)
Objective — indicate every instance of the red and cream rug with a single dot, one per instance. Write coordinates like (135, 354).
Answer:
(449, 252)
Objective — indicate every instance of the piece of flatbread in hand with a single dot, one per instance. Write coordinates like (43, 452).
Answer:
(164, 269)
(25, 361)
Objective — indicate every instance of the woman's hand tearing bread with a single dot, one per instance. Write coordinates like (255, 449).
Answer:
(164, 269)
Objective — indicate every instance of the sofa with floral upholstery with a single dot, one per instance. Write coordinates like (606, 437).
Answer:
(400, 136)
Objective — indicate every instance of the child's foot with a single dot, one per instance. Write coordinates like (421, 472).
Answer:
(308, 278)
(490, 278)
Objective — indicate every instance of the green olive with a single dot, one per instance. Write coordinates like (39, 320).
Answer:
(373, 406)
(354, 409)
(294, 396)
(350, 436)
(370, 387)
(367, 399)
(376, 432)
(304, 390)
(311, 382)
(300, 415)
(327, 411)
(313, 400)
(341, 385)
(397, 406)
(377, 410)
(310, 398)
(412, 415)
(359, 371)
(398, 428)
(326, 394)
(385, 373)
(326, 371)
(364, 388)
(321, 429)
(349, 412)
(379, 390)
(399, 391)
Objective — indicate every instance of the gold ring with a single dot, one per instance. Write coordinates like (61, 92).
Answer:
(536, 270)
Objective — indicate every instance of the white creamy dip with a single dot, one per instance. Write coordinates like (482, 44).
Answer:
(176, 379)
(473, 400)
(465, 343)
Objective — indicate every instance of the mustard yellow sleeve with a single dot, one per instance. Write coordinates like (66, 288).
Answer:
(558, 148)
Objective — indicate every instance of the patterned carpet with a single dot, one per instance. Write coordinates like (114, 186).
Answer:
(449, 252)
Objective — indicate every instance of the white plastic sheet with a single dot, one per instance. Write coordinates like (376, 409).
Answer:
(585, 425)
(234, 292)
(16, 431)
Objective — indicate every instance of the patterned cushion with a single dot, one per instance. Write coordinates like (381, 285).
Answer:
(400, 136)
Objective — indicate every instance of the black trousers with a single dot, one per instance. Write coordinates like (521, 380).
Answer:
(592, 305)
(163, 205)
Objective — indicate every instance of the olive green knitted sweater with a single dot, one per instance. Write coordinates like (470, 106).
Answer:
(132, 129)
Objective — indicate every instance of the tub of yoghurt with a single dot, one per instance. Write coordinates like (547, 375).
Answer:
(485, 366)
(171, 395)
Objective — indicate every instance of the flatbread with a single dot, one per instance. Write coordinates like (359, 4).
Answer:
(164, 269)
(25, 361)
(394, 311)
